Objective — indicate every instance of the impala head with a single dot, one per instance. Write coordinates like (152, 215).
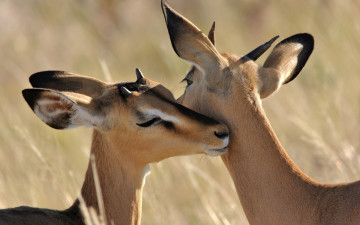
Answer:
(139, 119)
(218, 80)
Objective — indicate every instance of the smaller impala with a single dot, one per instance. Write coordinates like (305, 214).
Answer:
(134, 124)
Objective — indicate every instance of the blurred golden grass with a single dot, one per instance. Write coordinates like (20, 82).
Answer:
(316, 116)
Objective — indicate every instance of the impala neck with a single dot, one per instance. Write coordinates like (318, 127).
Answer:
(270, 186)
(121, 183)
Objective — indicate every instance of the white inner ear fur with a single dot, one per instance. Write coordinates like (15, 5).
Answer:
(76, 97)
(269, 81)
(281, 66)
(162, 115)
(287, 68)
(288, 59)
(45, 107)
(84, 117)
(48, 109)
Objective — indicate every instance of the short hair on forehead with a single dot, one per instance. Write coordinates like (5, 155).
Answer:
(133, 86)
(162, 93)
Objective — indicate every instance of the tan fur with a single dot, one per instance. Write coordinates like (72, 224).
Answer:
(271, 188)
(122, 149)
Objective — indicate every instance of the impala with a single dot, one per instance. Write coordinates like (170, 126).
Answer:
(134, 124)
(271, 188)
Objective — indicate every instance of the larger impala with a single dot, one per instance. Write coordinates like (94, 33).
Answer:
(271, 188)
(134, 124)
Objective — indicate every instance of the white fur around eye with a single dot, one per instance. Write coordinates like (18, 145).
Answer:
(163, 116)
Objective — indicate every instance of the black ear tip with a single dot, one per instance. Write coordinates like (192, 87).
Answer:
(25, 92)
(40, 78)
(307, 36)
(36, 77)
(307, 41)
(169, 13)
(30, 96)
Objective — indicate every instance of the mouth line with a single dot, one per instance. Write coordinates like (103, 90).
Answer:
(216, 152)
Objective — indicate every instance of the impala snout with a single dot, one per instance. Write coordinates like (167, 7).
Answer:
(221, 134)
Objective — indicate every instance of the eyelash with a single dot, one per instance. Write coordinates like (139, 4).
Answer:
(188, 82)
(149, 123)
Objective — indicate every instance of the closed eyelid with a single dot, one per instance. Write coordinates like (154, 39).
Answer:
(163, 116)
(149, 123)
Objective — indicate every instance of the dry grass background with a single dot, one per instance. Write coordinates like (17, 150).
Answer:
(316, 116)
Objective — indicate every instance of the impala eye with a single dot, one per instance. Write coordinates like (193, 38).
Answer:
(188, 82)
(149, 122)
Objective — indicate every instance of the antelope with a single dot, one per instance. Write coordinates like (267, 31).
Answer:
(230, 88)
(134, 124)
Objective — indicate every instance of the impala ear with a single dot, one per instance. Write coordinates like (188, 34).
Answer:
(211, 34)
(60, 111)
(65, 81)
(191, 44)
(284, 63)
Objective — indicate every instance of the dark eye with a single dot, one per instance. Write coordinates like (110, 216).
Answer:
(149, 122)
(188, 82)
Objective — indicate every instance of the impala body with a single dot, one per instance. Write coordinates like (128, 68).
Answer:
(271, 188)
(134, 124)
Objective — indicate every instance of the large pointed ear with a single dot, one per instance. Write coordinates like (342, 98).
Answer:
(60, 111)
(285, 62)
(189, 42)
(65, 81)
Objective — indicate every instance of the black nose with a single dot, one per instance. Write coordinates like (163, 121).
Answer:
(221, 134)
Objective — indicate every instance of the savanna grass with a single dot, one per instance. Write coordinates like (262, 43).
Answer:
(316, 116)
